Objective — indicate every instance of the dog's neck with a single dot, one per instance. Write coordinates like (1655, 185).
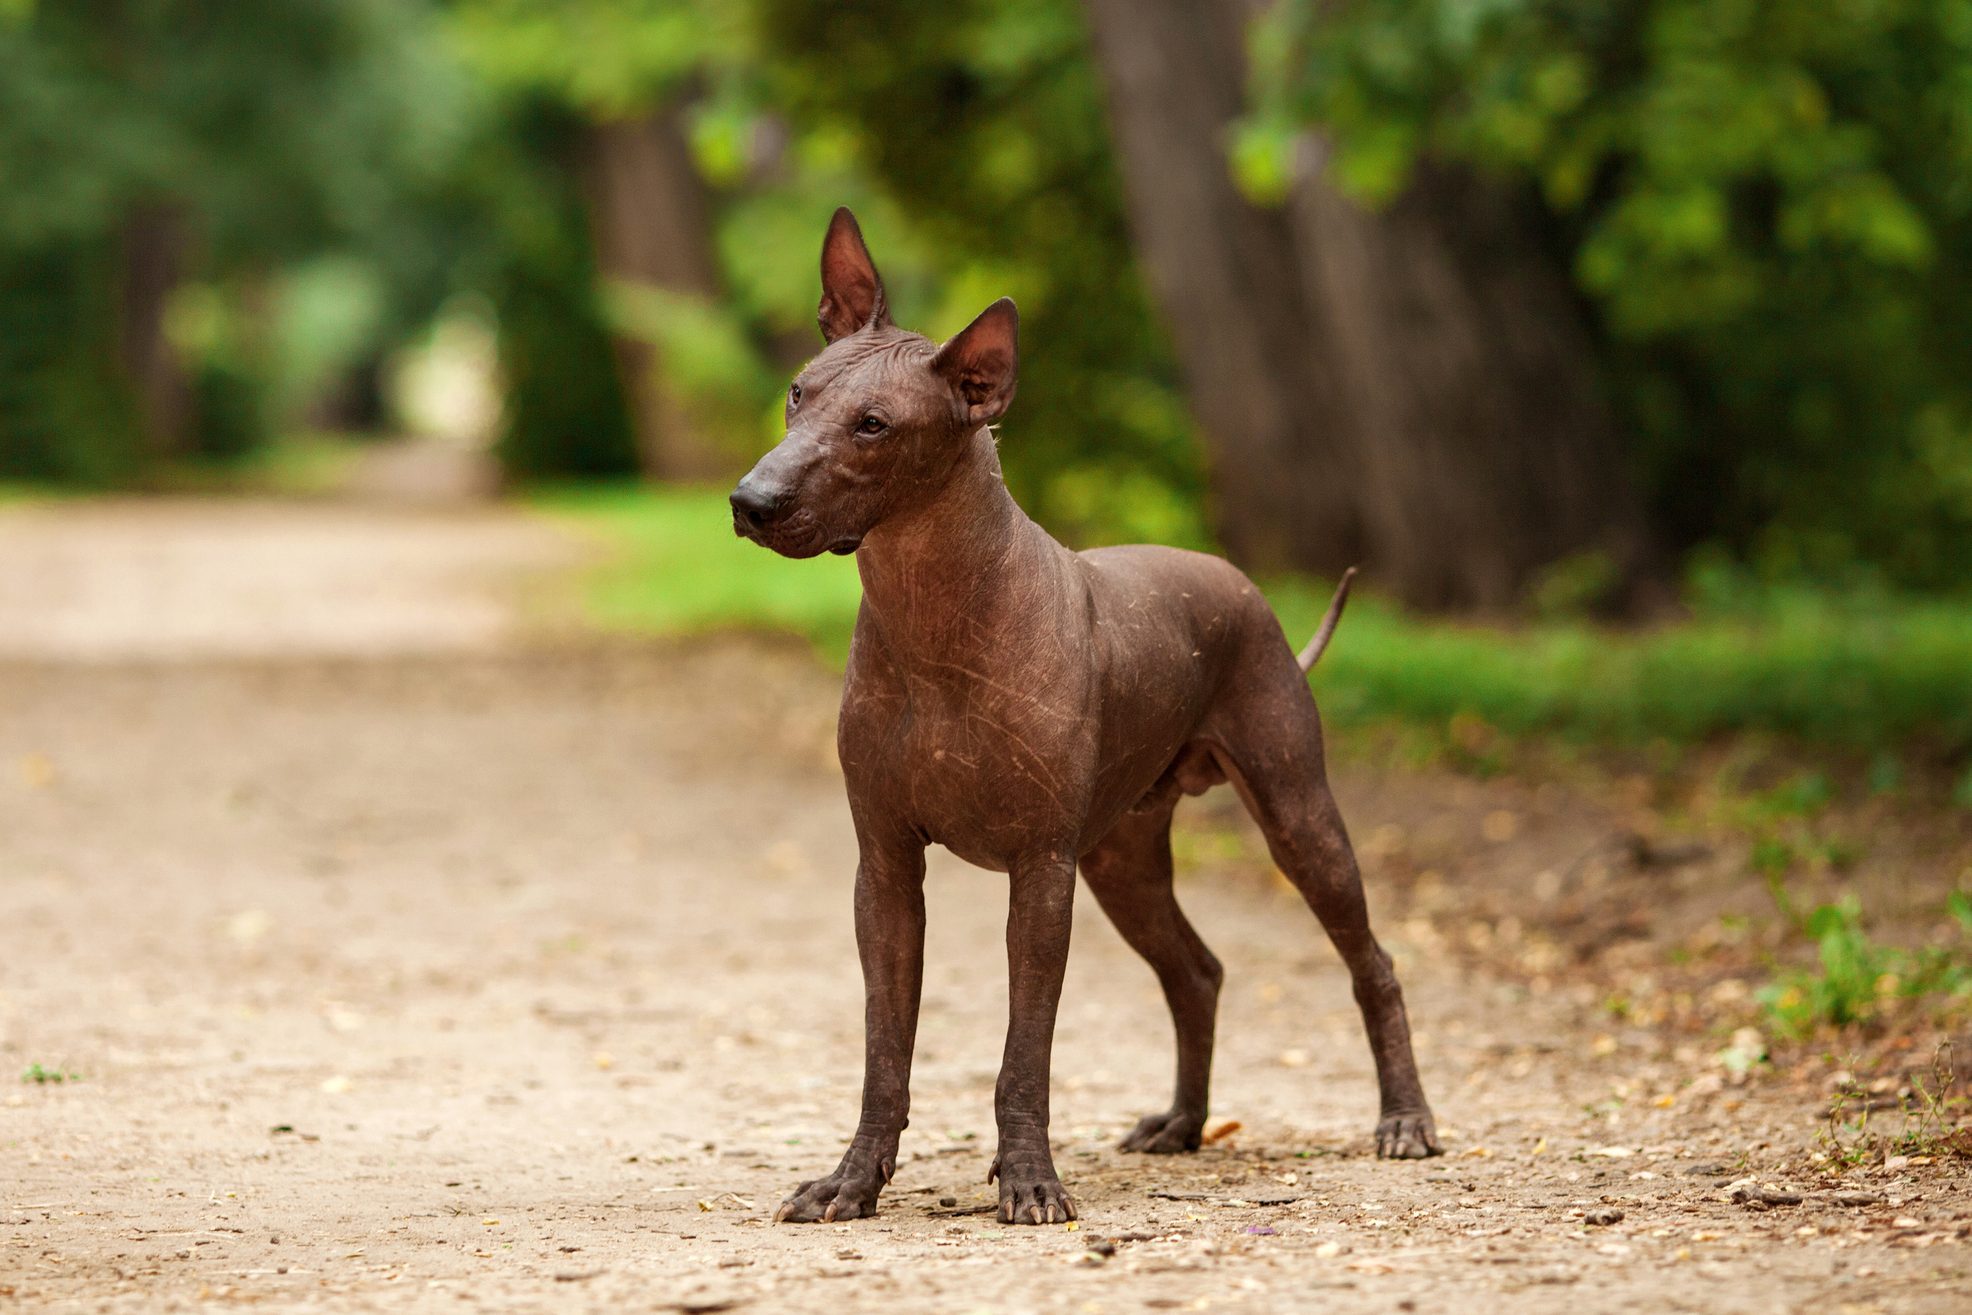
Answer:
(935, 574)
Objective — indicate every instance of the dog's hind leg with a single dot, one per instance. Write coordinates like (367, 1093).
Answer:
(1272, 749)
(1129, 872)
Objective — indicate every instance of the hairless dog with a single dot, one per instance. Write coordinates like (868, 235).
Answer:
(1031, 708)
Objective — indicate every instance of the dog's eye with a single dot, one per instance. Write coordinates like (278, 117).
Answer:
(794, 395)
(870, 427)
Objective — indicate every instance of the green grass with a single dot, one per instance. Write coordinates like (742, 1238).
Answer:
(676, 567)
(40, 1076)
(1858, 671)
(14, 493)
(296, 465)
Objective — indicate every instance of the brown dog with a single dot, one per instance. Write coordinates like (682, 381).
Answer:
(1030, 708)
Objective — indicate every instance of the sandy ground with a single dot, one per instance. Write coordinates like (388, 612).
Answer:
(138, 580)
(411, 962)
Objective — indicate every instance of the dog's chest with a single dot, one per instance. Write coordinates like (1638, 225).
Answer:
(988, 778)
(985, 767)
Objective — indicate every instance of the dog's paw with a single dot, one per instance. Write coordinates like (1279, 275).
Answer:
(1166, 1134)
(848, 1193)
(1407, 1137)
(1030, 1191)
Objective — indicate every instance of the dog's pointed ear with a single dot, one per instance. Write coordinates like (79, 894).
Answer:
(852, 291)
(982, 360)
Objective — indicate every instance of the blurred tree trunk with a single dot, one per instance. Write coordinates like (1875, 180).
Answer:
(652, 226)
(357, 401)
(151, 250)
(1418, 382)
(1284, 492)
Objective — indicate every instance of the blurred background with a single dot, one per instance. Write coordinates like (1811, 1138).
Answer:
(372, 377)
(1522, 305)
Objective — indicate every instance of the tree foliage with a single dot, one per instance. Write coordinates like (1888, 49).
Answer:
(602, 57)
(984, 123)
(1764, 206)
(1767, 202)
(268, 132)
(556, 73)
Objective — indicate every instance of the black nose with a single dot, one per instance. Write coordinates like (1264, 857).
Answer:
(755, 507)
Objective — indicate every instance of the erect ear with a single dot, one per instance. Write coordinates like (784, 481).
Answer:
(982, 360)
(852, 291)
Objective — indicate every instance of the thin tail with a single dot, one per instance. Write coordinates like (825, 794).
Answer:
(1319, 644)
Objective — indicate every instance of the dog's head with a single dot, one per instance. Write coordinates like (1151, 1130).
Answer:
(879, 419)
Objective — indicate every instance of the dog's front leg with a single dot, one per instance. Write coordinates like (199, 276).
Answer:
(890, 942)
(1040, 910)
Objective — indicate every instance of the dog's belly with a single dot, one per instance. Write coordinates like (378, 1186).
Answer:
(1158, 691)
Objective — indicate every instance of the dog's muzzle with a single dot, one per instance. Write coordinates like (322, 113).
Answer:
(756, 509)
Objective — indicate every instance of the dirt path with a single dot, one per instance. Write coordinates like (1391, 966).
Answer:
(183, 579)
(408, 964)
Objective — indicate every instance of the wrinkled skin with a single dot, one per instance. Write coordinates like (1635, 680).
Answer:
(1032, 710)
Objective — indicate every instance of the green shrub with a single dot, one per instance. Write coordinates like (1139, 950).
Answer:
(1854, 976)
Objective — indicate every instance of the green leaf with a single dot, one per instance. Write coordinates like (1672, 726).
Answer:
(1262, 160)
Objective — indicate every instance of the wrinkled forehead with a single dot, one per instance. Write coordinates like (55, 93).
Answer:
(855, 369)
